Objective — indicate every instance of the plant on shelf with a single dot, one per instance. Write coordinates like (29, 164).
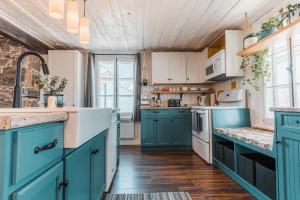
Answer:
(256, 69)
(269, 27)
(52, 87)
(287, 14)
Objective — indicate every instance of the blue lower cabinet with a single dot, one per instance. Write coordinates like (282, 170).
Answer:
(85, 171)
(98, 167)
(47, 186)
(163, 131)
(78, 174)
(148, 131)
(181, 130)
(166, 128)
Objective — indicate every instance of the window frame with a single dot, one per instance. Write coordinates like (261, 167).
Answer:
(115, 58)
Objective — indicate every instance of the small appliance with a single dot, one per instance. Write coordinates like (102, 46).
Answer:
(215, 66)
(174, 103)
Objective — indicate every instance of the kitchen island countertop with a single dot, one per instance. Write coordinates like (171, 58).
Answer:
(284, 109)
(163, 108)
(18, 120)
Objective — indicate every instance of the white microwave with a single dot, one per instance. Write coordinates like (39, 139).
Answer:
(215, 66)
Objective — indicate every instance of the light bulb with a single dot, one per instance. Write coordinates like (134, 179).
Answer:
(56, 9)
(72, 16)
(84, 31)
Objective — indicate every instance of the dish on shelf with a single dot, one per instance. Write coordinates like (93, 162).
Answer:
(194, 89)
(184, 89)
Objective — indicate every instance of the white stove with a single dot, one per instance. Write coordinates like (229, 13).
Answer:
(202, 117)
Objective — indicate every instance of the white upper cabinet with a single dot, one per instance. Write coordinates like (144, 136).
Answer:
(69, 64)
(160, 67)
(195, 67)
(177, 67)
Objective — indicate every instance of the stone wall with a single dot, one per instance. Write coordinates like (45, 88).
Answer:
(9, 53)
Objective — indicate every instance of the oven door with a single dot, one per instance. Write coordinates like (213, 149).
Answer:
(200, 125)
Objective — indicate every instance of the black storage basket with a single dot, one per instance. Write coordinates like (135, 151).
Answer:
(266, 177)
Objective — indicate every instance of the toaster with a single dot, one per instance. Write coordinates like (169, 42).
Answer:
(174, 103)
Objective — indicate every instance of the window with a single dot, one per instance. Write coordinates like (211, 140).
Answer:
(283, 88)
(115, 82)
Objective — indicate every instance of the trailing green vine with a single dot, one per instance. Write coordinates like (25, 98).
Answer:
(256, 69)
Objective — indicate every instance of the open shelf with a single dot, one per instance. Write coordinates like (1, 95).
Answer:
(185, 92)
(285, 32)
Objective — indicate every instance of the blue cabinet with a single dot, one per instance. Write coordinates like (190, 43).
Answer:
(47, 186)
(288, 155)
(85, 170)
(171, 128)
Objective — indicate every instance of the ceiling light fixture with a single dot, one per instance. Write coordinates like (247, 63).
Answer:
(72, 16)
(56, 8)
(84, 29)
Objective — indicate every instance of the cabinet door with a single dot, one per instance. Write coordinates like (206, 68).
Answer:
(148, 131)
(98, 167)
(160, 67)
(193, 67)
(78, 174)
(46, 187)
(181, 130)
(288, 162)
(163, 136)
(177, 67)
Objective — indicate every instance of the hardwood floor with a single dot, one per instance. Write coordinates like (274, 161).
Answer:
(168, 171)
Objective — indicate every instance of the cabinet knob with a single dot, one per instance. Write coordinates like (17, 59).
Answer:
(95, 151)
(64, 184)
(297, 121)
(278, 142)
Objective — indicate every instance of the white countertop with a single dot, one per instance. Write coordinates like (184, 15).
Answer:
(162, 108)
(217, 107)
(44, 110)
(284, 109)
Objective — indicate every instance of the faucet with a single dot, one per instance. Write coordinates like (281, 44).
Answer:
(17, 101)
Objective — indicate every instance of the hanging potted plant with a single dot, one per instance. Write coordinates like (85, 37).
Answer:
(256, 69)
(53, 90)
(250, 40)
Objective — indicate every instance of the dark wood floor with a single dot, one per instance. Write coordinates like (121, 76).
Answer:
(167, 171)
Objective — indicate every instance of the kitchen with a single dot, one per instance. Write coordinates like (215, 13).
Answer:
(148, 99)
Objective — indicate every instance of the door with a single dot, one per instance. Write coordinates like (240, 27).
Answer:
(98, 166)
(160, 67)
(78, 174)
(177, 67)
(194, 62)
(163, 131)
(46, 187)
(181, 130)
(288, 163)
(148, 131)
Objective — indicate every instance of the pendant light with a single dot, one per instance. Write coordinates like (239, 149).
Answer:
(56, 8)
(72, 16)
(84, 29)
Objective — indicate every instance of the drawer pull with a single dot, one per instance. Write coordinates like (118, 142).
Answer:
(181, 111)
(95, 151)
(278, 142)
(155, 112)
(297, 121)
(64, 184)
(46, 147)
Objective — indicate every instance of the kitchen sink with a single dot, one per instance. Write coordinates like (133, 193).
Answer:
(82, 125)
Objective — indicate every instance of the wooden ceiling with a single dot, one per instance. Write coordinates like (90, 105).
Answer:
(133, 25)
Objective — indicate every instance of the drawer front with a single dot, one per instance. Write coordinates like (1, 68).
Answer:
(289, 122)
(46, 187)
(180, 112)
(36, 148)
(155, 112)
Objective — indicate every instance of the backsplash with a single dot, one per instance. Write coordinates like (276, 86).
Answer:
(9, 53)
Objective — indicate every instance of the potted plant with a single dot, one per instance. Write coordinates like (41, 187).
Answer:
(289, 14)
(269, 27)
(256, 69)
(53, 89)
(250, 40)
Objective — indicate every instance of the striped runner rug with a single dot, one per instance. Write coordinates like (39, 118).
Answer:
(151, 196)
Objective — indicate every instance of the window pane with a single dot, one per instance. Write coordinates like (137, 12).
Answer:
(297, 95)
(125, 69)
(125, 87)
(106, 86)
(282, 96)
(106, 101)
(269, 102)
(280, 63)
(106, 69)
(125, 103)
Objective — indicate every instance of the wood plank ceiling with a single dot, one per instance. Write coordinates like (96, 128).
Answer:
(133, 25)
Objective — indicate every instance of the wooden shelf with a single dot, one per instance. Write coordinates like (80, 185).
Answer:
(285, 32)
(185, 92)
